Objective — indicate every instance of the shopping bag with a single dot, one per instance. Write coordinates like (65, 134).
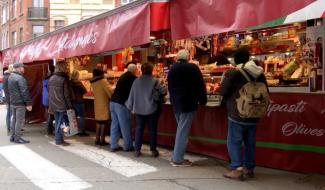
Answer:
(73, 124)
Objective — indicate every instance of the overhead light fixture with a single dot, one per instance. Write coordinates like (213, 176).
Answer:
(152, 37)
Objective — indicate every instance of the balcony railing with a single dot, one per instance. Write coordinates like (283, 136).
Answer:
(38, 13)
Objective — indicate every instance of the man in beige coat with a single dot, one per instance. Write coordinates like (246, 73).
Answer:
(102, 94)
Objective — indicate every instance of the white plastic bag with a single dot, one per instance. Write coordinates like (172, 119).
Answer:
(72, 129)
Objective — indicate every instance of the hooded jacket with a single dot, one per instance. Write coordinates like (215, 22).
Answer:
(231, 84)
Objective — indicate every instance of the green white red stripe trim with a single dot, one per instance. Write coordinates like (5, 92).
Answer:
(311, 11)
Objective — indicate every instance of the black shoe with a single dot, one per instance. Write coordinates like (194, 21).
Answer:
(155, 153)
(22, 130)
(137, 153)
(83, 134)
(104, 143)
(116, 149)
(21, 141)
(130, 149)
(62, 144)
(12, 139)
(97, 143)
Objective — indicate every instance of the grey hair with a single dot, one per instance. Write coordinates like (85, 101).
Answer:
(131, 67)
(61, 66)
(183, 54)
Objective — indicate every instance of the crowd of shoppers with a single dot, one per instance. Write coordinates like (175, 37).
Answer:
(141, 96)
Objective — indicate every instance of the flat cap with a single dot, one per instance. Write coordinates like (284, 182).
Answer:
(17, 65)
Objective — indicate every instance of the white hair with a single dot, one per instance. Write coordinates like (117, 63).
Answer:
(10, 68)
(183, 54)
(131, 67)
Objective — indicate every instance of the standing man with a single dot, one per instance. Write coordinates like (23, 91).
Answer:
(119, 112)
(19, 101)
(241, 130)
(187, 88)
(60, 98)
(7, 97)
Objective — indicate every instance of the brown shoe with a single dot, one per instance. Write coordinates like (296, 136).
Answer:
(237, 174)
(185, 163)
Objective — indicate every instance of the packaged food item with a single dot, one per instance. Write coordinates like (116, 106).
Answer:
(298, 73)
(289, 68)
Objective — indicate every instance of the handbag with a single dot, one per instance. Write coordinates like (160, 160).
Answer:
(158, 97)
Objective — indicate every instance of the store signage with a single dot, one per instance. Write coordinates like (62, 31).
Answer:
(76, 41)
(292, 128)
(127, 28)
(298, 107)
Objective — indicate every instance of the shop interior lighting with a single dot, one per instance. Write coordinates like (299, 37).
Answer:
(152, 37)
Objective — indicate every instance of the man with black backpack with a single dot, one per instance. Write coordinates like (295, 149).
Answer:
(245, 95)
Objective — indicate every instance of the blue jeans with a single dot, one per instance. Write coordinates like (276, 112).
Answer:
(121, 118)
(8, 116)
(152, 121)
(184, 123)
(80, 110)
(59, 118)
(239, 133)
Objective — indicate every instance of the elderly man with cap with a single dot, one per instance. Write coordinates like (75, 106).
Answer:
(120, 114)
(20, 100)
(187, 89)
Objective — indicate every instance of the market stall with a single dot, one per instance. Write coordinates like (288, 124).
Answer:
(292, 131)
(290, 136)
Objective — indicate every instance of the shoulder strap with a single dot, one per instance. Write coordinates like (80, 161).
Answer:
(244, 74)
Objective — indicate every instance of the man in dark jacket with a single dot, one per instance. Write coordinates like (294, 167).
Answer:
(186, 88)
(19, 101)
(119, 113)
(240, 129)
(60, 98)
(7, 97)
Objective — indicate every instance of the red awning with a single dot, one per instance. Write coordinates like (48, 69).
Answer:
(117, 30)
(192, 18)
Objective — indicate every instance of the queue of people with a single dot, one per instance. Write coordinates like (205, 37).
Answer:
(142, 96)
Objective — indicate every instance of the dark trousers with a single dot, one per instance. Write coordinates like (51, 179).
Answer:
(152, 121)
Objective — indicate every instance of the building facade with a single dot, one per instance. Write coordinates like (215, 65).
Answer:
(22, 20)
(66, 12)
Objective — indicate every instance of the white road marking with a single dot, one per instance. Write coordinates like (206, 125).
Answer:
(41, 172)
(117, 163)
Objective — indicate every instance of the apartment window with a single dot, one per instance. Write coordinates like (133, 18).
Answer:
(21, 35)
(14, 38)
(3, 41)
(21, 6)
(38, 3)
(14, 8)
(4, 13)
(107, 1)
(38, 30)
(74, 1)
(123, 2)
(58, 24)
(7, 39)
